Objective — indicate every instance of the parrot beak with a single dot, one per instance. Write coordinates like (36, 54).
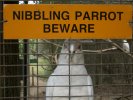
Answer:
(71, 57)
(71, 52)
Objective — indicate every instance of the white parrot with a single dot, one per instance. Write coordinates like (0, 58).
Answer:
(125, 46)
(72, 81)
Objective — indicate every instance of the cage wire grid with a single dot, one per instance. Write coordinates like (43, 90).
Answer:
(26, 65)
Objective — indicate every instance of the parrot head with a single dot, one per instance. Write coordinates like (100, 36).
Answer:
(72, 49)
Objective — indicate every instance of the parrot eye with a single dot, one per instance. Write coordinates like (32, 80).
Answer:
(65, 46)
(74, 51)
(79, 47)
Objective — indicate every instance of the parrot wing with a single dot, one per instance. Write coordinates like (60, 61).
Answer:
(50, 88)
(90, 88)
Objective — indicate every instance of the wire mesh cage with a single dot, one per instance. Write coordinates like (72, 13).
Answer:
(39, 69)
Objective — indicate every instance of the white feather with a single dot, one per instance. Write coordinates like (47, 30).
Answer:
(76, 68)
(126, 46)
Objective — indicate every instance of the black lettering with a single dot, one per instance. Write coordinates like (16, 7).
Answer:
(82, 28)
(74, 28)
(55, 28)
(103, 15)
(50, 15)
(56, 15)
(91, 28)
(78, 14)
(64, 27)
(22, 15)
(65, 15)
(46, 28)
(111, 15)
(86, 16)
(37, 15)
(94, 15)
(43, 15)
(28, 15)
(16, 15)
(120, 14)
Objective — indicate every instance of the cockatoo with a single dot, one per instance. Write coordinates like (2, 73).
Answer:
(70, 80)
(125, 46)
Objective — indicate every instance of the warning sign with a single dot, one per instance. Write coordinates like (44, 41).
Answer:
(63, 21)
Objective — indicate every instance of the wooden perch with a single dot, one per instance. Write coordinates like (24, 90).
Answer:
(100, 51)
(56, 58)
(33, 76)
(43, 55)
(22, 90)
(116, 45)
(52, 43)
(94, 51)
(126, 97)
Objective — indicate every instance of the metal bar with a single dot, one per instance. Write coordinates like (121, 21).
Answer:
(98, 64)
(68, 53)
(1, 46)
(37, 71)
(25, 67)
(132, 50)
(1, 24)
(69, 73)
(71, 86)
(42, 76)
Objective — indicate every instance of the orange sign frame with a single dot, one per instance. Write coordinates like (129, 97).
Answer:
(67, 21)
